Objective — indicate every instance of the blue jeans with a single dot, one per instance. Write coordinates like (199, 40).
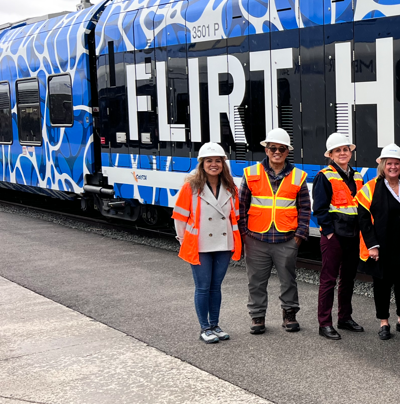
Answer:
(208, 277)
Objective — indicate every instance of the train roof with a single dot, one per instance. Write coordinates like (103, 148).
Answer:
(32, 20)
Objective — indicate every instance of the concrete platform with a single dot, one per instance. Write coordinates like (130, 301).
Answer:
(52, 354)
(147, 294)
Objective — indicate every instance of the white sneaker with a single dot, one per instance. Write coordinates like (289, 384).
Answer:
(222, 335)
(209, 337)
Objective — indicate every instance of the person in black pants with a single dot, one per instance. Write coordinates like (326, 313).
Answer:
(379, 219)
(335, 209)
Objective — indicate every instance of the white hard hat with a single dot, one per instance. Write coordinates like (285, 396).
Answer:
(336, 140)
(391, 151)
(277, 135)
(210, 149)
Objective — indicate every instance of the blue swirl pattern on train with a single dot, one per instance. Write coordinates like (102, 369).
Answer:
(53, 46)
(58, 45)
(141, 24)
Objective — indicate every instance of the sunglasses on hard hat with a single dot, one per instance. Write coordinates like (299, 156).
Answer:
(281, 149)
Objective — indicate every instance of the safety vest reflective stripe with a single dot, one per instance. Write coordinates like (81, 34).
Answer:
(358, 177)
(262, 201)
(365, 194)
(195, 199)
(285, 203)
(254, 170)
(191, 229)
(182, 211)
(332, 175)
(349, 210)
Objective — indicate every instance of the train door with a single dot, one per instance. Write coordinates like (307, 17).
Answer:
(312, 67)
(145, 93)
(178, 88)
(113, 105)
(208, 81)
(260, 103)
(285, 75)
(237, 20)
(102, 70)
(374, 76)
(339, 75)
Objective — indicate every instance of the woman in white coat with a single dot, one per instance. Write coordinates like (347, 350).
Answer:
(211, 238)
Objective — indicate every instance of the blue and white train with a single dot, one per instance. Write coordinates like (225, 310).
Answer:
(112, 103)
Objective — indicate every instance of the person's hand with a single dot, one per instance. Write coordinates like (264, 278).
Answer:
(298, 240)
(374, 253)
(329, 236)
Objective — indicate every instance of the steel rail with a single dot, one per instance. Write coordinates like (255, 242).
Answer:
(88, 219)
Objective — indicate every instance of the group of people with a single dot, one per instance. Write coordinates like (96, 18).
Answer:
(269, 216)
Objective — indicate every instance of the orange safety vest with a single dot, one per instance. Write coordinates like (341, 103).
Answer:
(364, 197)
(187, 209)
(266, 207)
(342, 200)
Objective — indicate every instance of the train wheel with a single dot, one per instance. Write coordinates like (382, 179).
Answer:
(150, 215)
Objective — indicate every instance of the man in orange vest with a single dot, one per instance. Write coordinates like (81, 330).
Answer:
(275, 212)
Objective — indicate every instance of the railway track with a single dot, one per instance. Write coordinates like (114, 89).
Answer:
(93, 219)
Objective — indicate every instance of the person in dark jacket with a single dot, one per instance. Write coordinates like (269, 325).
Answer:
(379, 219)
(335, 209)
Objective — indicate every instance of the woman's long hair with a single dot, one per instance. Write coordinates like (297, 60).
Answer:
(198, 178)
(381, 168)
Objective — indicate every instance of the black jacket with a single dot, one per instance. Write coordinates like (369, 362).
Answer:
(374, 234)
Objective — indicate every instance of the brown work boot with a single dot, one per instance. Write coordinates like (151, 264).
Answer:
(289, 320)
(257, 325)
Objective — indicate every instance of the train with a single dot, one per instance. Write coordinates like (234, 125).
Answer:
(111, 103)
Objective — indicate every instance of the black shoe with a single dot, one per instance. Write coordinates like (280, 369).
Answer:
(350, 325)
(384, 332)
(289, 321)
(329, 332)
(258, 325)
(398, 327)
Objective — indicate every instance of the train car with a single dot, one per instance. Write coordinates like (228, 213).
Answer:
(112, 103)
(46, 96)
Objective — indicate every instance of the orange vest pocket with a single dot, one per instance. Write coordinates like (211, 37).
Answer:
(340, 198)
(286, 219)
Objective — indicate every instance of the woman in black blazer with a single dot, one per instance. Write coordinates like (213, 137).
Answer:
(379, 219)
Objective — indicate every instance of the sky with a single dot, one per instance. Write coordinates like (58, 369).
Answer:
(16, 10)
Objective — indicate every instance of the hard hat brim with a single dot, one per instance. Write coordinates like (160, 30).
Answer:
(214, 155)
(352, 148)
(378, 160)
(264, 144)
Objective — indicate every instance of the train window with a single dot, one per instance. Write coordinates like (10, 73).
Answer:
(60, 100)
(28, 108)
(5, 114)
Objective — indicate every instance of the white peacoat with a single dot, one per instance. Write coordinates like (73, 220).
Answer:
(215, 233)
